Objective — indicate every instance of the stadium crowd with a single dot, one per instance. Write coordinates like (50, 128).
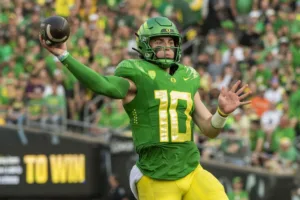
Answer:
(257, 42)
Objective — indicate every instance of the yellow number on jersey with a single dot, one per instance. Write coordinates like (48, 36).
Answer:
(176, 136)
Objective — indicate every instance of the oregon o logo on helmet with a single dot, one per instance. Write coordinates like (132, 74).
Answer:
(168, 30)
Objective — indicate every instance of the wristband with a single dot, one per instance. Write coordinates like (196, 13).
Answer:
(222, 113)
(218, 121)
(63, 56)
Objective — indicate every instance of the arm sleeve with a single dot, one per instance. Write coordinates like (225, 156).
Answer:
(111, 86)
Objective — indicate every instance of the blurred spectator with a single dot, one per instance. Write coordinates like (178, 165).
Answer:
(259, 103)
(284, 130)
(275, 93)
(34, 95)
(54, 108)
(295, 51)
(16, 109)
(116, 192)
(257, 139)
(238, 190)
(34, 111)
(211, 43)
(284, 158)
(216, 67)
(4, 101)
(113, 115)
(189, 12)
(262, 75)
(287, 152)
(294, 101)
(205, 80)
(240, 7)
(240, 123)
(234, 50)
(249, 37)
(225, 79)
(49, 89)
(187, 61)
(269, 122)
(234, 149)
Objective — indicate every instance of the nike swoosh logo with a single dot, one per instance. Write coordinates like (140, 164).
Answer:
(186, 79)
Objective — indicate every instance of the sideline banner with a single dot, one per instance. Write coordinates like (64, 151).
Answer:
(40, 169)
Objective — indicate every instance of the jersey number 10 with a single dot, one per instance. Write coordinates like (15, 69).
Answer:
(168, 109)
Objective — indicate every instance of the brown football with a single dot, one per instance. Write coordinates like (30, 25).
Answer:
(55, 30)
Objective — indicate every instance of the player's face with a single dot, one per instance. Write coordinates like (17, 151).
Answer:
(163, 47)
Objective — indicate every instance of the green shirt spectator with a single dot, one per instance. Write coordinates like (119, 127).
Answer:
(243, 7)
(6, 51)
(188, 12)
(290, 154)
(296, 56)
(238, 193)
(113, 115)
(281, 132)
(232, 146)
(165, 8)
(262, 75)
(4, 98)
(17, 69)
(50, 64)
(294, 101)
(242, 195)
(69, 79)
(256, 136)
(35, 109)
(54, 104)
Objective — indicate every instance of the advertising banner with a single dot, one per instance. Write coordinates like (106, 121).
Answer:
(39, 168)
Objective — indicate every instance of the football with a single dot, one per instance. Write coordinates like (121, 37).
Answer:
(55, 30)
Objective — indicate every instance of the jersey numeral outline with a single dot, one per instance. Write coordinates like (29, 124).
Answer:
(176, 136)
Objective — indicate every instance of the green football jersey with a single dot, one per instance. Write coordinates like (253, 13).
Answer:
(161, 118)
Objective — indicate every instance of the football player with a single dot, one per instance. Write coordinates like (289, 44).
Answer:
(160, 95)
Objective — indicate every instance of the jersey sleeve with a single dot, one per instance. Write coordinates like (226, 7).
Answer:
(126, 69)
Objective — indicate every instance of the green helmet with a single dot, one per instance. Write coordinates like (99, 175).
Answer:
(154, 27)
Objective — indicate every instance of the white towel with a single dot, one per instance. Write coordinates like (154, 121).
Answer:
(135, 176)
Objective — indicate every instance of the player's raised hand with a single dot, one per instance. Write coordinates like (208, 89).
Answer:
(55, 49)
(229, 100)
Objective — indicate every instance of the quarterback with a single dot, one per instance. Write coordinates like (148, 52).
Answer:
(161, 97)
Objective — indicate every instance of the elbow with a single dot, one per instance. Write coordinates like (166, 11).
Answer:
(212, 135)
(109, 92)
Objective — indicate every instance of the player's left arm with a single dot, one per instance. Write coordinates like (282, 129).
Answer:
(229, 100)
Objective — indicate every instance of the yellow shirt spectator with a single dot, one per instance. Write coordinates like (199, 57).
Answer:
(62, 7)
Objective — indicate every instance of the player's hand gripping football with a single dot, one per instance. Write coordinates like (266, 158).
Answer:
(55, 49)
(229, 100)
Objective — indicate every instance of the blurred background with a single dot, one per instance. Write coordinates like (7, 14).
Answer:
(256, 41)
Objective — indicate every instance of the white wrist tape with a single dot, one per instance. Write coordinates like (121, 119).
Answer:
(217, 121)
(63, 56)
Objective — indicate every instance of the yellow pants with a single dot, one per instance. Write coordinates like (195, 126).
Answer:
(198, 185)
